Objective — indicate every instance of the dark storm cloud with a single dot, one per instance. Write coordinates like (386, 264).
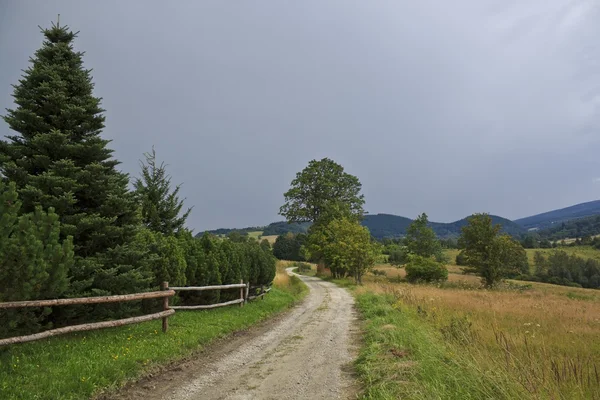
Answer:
(444, 107)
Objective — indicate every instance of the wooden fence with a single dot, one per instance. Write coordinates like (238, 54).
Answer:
(167, 311)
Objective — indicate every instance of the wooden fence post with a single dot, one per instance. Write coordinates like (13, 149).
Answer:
(165, 320)
(262, 291)
(247, 290)
(242, 294)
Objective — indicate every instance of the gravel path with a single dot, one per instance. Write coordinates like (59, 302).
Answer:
(306, 354)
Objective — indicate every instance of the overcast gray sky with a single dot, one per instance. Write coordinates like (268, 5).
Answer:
(441, 107)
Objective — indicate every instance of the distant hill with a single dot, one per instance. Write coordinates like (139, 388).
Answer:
(380, 225)
(275, 228)
(550, 218)
(572, 229)
(225, 231)
(390, 226)
(386, 225)
(280, 228)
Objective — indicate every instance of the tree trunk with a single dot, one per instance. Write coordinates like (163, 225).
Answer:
(320, 267)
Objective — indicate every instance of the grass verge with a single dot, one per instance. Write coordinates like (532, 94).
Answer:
(453, 341)
(77, 366)
(403, 357)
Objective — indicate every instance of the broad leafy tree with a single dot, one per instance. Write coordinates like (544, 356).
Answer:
(321, 192)
(160, 206)
(58, 160)
(288, 246)
(421, 239)
(346, 247)
(488, 254)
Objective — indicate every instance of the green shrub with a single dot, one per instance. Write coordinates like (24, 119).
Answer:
(399, 256)
(34, 262)
(302, 266)
(460, 259)
(421, 269)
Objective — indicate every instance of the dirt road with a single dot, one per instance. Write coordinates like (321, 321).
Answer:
(306, 354)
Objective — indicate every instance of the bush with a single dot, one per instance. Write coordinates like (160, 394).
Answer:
(399, 256)
(302, 266)
(421, 269)
(287, 247)
(460, 259)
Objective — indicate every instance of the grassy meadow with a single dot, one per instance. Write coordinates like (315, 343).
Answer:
(457, 340)
(255, 234)
(77, 366)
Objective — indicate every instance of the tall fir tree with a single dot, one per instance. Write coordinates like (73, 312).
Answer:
(160, 206)
(58, 159)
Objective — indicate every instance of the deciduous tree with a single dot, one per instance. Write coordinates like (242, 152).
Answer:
(346, 247)
(421, 239)
(489, 255)
(321, 192)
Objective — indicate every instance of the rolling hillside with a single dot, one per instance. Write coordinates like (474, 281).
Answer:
(387, 225)
(550, 218)
(380, 225)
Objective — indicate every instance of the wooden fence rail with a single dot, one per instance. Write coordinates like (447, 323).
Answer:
(92, 326)
(242, 286)
(88, 300)
(167, 311)
(215, 287)
(86, 327)
(262, 292)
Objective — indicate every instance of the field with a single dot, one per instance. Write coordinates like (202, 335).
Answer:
(271, 238)
(79, 365)
(255, 234)
(459, 341)
(580, 251)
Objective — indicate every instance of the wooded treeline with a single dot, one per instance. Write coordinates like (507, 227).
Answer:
(70, 226)
(560, 268)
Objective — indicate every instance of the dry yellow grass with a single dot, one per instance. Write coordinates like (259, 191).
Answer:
(546, 336)
(270, 238)
(282, 279)
(455, 274)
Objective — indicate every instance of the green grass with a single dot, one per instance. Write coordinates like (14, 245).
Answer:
(404, 357)
(255, 234)
(76, 366)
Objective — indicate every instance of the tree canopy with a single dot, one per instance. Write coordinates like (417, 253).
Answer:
(488, 254)
(321, 192)
(421, 239)
(345, 246)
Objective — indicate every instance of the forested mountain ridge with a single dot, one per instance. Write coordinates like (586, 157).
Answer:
(380, 225)
(571, 229)
(274, 228)
(550, 218)
(387, 225)
(390, 225)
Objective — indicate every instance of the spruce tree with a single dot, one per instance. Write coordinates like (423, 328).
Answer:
(58, 159)
(161, 207)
